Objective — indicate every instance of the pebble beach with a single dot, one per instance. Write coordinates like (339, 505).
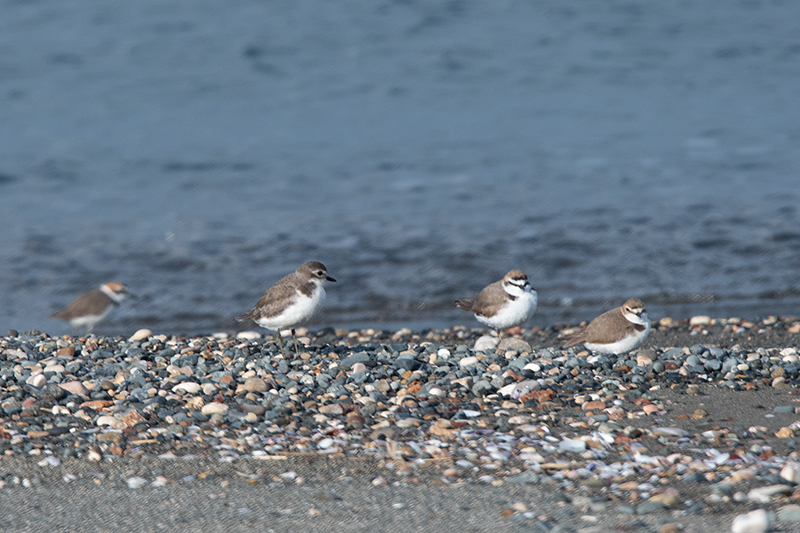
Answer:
(418, 428)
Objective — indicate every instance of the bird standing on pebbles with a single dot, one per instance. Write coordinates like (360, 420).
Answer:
(505, 303)
(291, 302)
(619, 330)
(88, 309)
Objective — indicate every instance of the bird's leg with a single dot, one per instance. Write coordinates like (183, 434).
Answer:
(296, 349)
(280, 342)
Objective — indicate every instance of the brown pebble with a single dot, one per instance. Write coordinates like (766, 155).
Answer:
(594, 405)
(115, 449)
(669, 500)
(331, 409)
(74, 387)
(66, 351)
(255, 385)
(97, 405)
(111, 436)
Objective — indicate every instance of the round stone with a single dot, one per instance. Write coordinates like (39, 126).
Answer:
(74, 387)
(189, 387)
(214, 408)
(485, 343)
(468, 361)
(141, 335)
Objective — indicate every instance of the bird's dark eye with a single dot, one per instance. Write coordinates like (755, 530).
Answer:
(320, 273)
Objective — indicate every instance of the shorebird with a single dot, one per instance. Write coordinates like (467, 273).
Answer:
(619, 330)
(88, 309)
(505, 303)
(291, 302)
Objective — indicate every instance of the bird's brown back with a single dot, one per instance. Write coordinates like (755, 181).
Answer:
(92, 303)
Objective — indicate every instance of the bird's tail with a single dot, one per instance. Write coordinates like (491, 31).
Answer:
(466, 305)
(571, 339)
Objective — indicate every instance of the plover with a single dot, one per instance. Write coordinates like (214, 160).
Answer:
(505, 303)
(619, 330)
(292, 301)
(91, 307)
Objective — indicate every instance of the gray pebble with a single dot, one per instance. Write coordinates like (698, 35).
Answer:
(648, 507)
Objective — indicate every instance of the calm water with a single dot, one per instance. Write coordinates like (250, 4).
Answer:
(199, 150)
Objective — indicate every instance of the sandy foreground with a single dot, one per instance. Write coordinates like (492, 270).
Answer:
(174, 486)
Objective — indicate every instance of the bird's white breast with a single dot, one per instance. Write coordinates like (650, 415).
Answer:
(624, 345)
(299, 312)
(89, 321)
(512, 314)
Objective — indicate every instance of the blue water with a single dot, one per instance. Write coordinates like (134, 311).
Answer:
(199, 150)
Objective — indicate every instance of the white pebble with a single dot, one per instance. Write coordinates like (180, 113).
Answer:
(468, 361)
(436, 391)
(187, 386)
(670, 432)
(764, 494)
(753, 522)
(443, 353)
(136, 482)
(248, 335)
(700, 320)
(50, 461)
(140, 335)
(572, 445)
(485, 343)
(508, 390)
(789, 472)
(214, 407)
(107, 420)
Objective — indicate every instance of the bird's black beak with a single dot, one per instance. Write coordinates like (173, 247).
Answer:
(330, 279)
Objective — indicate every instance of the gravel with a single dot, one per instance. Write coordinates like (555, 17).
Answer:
(700, 422)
